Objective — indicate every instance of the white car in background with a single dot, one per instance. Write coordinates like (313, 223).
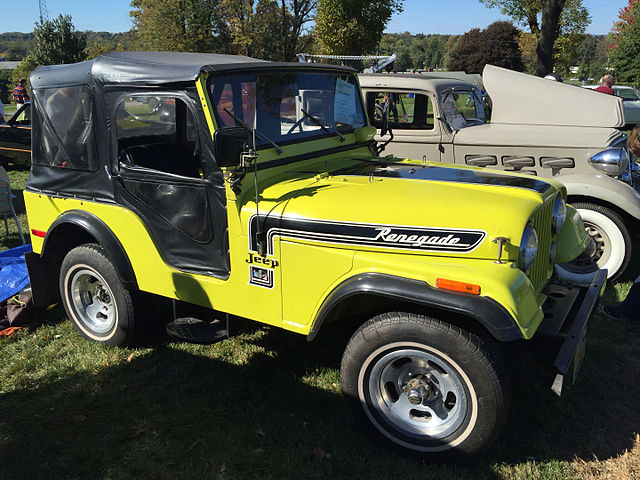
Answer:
(630, 103)
(555, 130)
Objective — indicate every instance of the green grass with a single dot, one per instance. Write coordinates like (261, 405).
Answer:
(266, 404)
(9, 110)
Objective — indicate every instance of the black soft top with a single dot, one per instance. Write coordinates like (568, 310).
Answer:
(154, 68)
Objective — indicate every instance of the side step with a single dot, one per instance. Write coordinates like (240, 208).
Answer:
(194, 330)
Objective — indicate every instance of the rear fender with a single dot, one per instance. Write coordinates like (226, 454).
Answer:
(71, 229)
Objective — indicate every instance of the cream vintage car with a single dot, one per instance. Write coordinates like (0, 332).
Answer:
(538, 127)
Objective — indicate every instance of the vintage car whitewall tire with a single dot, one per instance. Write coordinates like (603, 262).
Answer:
(426, 385)
(96, 301)
(613, 244)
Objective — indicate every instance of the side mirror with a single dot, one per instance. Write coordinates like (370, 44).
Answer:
(365, 134)
(228, 144)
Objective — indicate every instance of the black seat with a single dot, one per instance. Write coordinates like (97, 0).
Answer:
(166, 157)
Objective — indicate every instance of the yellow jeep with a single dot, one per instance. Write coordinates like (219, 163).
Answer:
(255, 189)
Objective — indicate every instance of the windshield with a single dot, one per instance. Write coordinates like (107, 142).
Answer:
(627, 94)
(462, 108)
(286, 107)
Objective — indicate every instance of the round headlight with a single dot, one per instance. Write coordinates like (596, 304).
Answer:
(612, 161)
(528, 247)
(559, 215)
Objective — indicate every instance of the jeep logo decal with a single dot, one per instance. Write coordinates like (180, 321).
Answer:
(385, 236)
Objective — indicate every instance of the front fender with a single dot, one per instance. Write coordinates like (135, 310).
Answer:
(603, 187)
(486, 311)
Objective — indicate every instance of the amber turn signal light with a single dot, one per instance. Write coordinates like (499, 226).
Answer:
(458, 286)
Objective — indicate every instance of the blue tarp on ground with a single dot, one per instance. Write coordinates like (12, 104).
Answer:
(13, 271)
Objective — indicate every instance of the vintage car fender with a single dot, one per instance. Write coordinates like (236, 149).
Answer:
(603, 187)
(493, 316)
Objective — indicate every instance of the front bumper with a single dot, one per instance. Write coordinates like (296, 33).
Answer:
(564, 329)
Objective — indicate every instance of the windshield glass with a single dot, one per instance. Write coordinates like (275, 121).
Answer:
(628, 94)
(279, 105)
(462, 109)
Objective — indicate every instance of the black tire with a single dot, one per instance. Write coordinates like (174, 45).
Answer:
(467, 403)
(94, 297)
(613, 244)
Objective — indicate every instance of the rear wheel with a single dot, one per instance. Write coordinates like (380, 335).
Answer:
(426, 385)
(613, 244)
(96, 300)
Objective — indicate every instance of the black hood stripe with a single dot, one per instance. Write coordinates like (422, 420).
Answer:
(447, 174)
(395, 237)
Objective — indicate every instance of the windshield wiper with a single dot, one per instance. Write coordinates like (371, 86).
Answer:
(322, 125)
(253, 130)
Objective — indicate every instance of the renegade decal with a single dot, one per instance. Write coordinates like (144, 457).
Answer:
(262, 277)
(387, 236)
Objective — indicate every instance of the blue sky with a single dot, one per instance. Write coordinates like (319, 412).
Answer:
(419, 16)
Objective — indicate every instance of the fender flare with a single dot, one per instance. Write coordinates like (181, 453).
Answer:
(489, 313)
(103, 235)
(602, 187)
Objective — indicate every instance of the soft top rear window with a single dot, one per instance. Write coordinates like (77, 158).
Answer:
(63, 128)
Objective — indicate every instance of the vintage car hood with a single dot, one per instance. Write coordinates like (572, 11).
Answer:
(519, 98)
(551, 136)
(446, 211)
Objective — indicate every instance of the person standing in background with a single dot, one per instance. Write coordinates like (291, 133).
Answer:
(606, 82)
(20, 94)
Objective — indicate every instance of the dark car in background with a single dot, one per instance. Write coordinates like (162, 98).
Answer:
(15, 139)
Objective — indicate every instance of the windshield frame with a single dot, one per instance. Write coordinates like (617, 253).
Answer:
(240, 80)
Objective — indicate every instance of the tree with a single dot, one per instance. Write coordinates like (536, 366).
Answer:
(295, 16)
(467, 54)
(179, 25)
(497, 45)
(547, 20)
(55, 42)
(352, 27)
(434, 51)
(625, 51)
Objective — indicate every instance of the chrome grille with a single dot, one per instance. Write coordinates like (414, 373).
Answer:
(542, 268)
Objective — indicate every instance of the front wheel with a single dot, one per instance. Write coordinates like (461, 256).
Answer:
(94, 297)
(426, 385)
(613, 244)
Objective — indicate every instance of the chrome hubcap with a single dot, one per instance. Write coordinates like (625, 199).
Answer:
(603, 243)
(418, 393)
(92, 300)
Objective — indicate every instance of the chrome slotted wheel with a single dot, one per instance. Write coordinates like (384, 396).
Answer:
(417, 393)
(95, 298)
(92, 300)
(426, 385)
